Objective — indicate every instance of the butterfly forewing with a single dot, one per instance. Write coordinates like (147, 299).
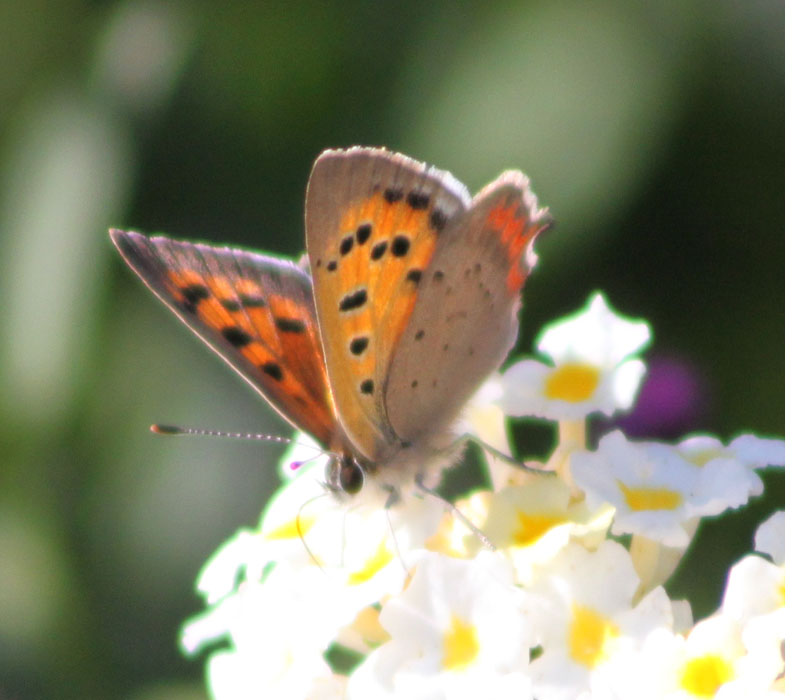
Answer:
(465, 319)
(373, 223)
(256, 311)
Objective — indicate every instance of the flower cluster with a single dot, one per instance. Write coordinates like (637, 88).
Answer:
(325, 600)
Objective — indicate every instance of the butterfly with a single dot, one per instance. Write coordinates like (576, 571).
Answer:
(406, 302)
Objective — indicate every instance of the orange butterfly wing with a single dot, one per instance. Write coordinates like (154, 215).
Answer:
(255, 311)
(373, 220)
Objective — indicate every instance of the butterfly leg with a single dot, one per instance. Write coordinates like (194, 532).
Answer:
(394, 497)
(508, 459)
(456, 513)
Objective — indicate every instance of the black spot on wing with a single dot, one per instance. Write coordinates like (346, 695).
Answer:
(438, 220)
(367, 386)
(231, 304)
(353, 300)
(193, 294)
(392, 195)
(418, 200)
(363, 233)
(290, 325)
(346, 245)
(358, 345)
(400, 245)
(332, 266)
(414, 276)
(236, 336)
(250, 301)
(378, 250)
(273, 369)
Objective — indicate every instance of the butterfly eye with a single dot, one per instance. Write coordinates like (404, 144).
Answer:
(350, 476)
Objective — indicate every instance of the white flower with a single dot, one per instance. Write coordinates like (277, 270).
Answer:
(282, 594)
(713, 661)
(583, 614)
(253, 674)
(456, 631)
(735, 462)
(270, 652)
(593, 368)
(755, 587)
(655, 490)
(735, 654)
(650, 486)
(755, 597)
(376, 548)
(770, 537)
(533, 522)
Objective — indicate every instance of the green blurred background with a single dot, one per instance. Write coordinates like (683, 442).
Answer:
(654, 131)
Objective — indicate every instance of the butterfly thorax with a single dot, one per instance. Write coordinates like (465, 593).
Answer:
(393, 476)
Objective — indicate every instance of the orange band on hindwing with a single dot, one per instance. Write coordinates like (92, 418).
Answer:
(516, 231)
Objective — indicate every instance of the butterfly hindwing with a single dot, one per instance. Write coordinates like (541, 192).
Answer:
(256, 311)
(373, 222)
(465, 319)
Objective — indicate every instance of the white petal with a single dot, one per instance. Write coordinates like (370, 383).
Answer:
(722, 484)
(219, 574)
(771, 535)
(755, 587)
(522, 386)
(627, 379)
(759, 452)
(596, 335)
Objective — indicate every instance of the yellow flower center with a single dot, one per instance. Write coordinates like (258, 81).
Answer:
(590, 635)
(703, 675)
(532, 527)
(374, 563)
(572, 382)
(650, 498)
(460, 645)
(700, 459)
(296, 527)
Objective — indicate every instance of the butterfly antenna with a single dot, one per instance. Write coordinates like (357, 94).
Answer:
(473, 528)
(294, 466)
(298, 522)
(161, 429)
